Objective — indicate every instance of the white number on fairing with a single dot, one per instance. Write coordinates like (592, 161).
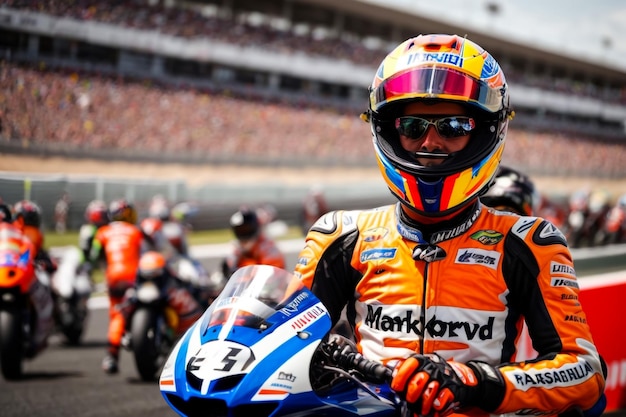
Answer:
(234, 359)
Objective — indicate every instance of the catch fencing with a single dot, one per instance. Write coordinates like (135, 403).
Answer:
(213, 203)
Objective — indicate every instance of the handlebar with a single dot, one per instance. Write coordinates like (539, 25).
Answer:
(373, 371)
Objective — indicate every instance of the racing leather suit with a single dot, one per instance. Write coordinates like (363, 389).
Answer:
(264, 251)
(463, 291)
(123, 244)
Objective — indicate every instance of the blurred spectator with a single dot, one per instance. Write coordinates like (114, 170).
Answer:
(61, 210)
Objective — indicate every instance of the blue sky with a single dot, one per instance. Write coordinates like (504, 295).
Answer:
(594, 30)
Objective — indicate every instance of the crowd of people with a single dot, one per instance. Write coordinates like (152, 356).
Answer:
(39, 106)
(190, 22)
(76, 111)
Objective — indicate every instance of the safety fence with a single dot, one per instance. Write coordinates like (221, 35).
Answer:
(213, 203)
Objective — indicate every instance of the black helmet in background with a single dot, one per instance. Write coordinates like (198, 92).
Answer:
(245, 224)
(511, 191)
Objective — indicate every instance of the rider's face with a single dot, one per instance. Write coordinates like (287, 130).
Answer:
(431, 141)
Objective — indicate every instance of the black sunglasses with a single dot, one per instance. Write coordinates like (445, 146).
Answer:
(414, 127)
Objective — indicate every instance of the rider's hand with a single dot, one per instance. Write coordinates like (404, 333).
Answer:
(435, 387)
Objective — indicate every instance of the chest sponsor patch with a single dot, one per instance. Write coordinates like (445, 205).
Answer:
(474, 256)
(487, 237)
(399, 321)
(378, 254)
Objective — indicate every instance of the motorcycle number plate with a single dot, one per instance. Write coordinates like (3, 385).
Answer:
(218, 359)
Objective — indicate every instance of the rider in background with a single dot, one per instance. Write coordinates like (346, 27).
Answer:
(27, 216)
(14, 239)
(511, 191)
(252, 246)
(122, 243)
(96, 216)
(152, 228)
(174, 231)
(438, 286)
(154, 267)
(171, 241)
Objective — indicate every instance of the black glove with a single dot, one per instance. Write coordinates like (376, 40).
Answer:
(435, 387)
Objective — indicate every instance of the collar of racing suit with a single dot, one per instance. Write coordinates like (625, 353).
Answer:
(436, 232)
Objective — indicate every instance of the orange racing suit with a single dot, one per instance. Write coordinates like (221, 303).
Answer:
(122, 243)
(264, 251)
(462, 292)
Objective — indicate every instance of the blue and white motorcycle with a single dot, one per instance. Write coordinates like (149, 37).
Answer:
(263, 348)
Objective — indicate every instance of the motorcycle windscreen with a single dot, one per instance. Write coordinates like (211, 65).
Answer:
(255, 298)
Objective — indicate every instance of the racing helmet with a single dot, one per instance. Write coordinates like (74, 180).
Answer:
(123, 211)
(159, 209)
(579, 200)
(29, 212)
(512, 191)
(432, 69)
(151, 265)
(245, 224)
(97, 213)
(6, 215)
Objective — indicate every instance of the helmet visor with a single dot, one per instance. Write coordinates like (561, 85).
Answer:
(436, 82)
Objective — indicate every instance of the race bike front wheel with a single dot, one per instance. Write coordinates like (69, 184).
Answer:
(145, 342)
(11, 344)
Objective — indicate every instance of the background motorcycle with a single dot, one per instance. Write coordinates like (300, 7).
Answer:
(18, 317)
(261, 349)
(71, 289)
(614, 226)
(155, 321)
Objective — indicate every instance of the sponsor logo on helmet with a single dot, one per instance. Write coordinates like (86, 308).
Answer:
(378, 254)
(442, 58)
(490, 67)
(472, 256)
(408, 322)
(487, 237)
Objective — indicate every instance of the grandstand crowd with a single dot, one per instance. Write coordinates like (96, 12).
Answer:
(187, 20)
(79, 111)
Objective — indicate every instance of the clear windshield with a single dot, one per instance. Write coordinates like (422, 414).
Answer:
(253, 294)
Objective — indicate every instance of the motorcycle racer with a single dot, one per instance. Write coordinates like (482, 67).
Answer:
(252, 246)
(122, 243)
(154, 267)
(14, 242)
(96, 216)
(438, 285)
(27, 216)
